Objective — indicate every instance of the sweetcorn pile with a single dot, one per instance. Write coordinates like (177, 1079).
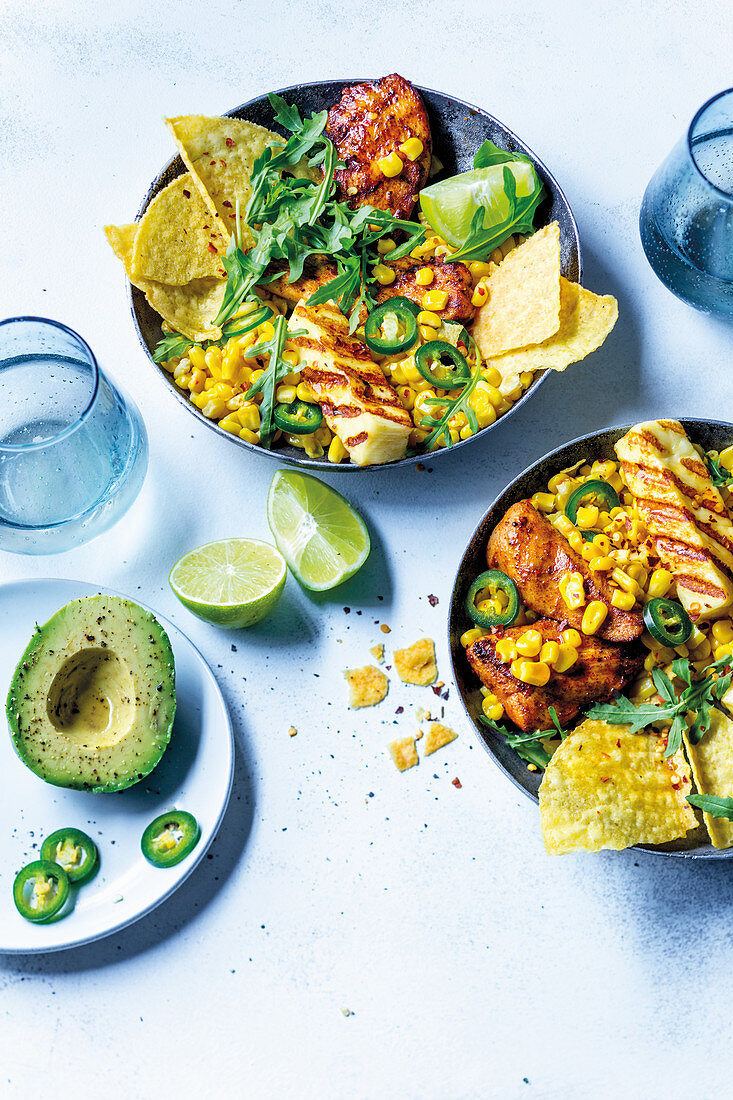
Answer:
(622, 551)
(216, 378)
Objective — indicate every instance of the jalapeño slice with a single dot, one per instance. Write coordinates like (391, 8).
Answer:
(246, 324)
(667, 621)
(40, 890)
(74, 851)
(298, 418)
(429, 357)
(495, 581)
(405, 323)
(600, 489)
(170, 838)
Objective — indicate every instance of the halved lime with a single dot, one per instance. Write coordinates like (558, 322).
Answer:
(319, 534)
(450, 204)
(233, 582)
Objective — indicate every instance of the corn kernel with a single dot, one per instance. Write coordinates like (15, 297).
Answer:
(624, 601)
(566, 658)
(570, 637)
(197, 356)
(214, 410)
(305, 393)
(587, 517)
(428, 333)
(593, 617)
(391, 165)
(425, 317)
(249, 436)
(466, 433)
(506, 650)
(336, 450)
(266, 331)
(478, 269)
(725, 459)
(472, 635)
(435, 299)
(425, 276)
(285, 394)
(526, 378)
(550, 652)
(412, 148)
(383, 274)
(623, 580)
(385, 245)
(291, 357)
(576, 540)
(544, 502)
(230, 424)
(536, 673)
(564, 525)
(480, 296)
(723, 631)
(529, 644)
(493, 711)
(250, 418)
(198, 379)
(492, 376)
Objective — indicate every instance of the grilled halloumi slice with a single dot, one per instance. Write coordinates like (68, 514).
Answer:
(357, 401)
(684, 513)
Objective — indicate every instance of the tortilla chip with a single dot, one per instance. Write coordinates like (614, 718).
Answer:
(438, 735)
(188, 309)
(367, 686)
(416, 664)
(404, 753)
(524, 296)
(220, 153)
(712, 770)
(377, 652)
(585, 321)
(608, 788)
(177, 239)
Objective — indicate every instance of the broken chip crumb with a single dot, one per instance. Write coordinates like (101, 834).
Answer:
(416, 663)
(385, 629)
(438, 735)
(292, 731)
(347, 1012)
(418, 735)
(423, 715)
(377, 652)
(456, 782)
(367, 686)
(404, 753)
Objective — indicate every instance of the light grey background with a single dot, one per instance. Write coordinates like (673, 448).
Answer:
(475, 965)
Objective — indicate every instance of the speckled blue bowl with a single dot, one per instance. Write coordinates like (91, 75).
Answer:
(712, 435)
(458, 128)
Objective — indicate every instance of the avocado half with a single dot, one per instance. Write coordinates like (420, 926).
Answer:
(92, 702)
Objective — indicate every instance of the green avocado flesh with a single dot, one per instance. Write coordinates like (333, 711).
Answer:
(92, 702)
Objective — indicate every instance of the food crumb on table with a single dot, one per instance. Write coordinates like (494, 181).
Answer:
(367, 686)
(292, 731)
(377, 652)
(404, 753)
(438, 736)
(416, 663)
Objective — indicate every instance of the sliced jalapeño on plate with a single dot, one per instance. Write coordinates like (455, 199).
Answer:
(170, 837)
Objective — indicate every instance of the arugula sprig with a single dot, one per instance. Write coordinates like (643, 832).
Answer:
(718, 474)
(268, 382)
(712, 804)
(529, 745)
(482, 240)
(699, 697)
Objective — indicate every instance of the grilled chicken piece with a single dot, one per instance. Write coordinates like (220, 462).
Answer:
(317, 271)
(683, 512)
(369, 122)
(453, 278)
(526, 547)
(601, 669)
(357, 401)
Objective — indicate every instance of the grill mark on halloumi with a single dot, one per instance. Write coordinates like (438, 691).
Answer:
(358, 403)
(684, 513)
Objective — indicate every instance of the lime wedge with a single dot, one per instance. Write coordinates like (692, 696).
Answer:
(234, 582)
(319, 534)
(450, 204)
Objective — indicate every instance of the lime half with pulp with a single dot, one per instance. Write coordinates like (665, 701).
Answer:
(449, 205)
(233, 582)
(319, 534)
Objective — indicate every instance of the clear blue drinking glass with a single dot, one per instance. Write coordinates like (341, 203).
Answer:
(686, 219)
(73, 449)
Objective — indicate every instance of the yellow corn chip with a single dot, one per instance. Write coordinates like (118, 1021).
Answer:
(585, 321)
(712, 769)
(524, 296)
(608, 788)
(220, 153)
(416, 664)
(188, 309)
(377, 652)
(438, 735)
(177, 239)
(367, 686)
(404, 753)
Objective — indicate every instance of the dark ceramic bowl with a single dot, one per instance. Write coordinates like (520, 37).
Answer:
(458, 129)
(711, 434)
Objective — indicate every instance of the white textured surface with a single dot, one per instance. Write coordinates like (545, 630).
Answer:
(471, 960)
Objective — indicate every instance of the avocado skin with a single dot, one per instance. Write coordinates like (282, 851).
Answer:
(128, 631)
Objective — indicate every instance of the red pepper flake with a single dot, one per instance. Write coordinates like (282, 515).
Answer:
(457, 783)
(212, 162)
(606, 779)
(676, 786)
(231, 142)
(618, 743)
(436, 689)
(227, 204)
(400, 710)
(212, 249)
(433, 601)
(223, 163)
(186, 193)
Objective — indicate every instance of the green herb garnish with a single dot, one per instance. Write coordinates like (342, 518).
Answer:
(699, 696)
(268, 382)
(712, 804)
(482, 239)
(718, 474)
(173, 346)
(529, 745)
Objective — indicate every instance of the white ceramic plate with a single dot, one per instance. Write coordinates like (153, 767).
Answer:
(195, 774)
